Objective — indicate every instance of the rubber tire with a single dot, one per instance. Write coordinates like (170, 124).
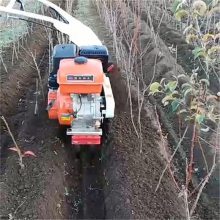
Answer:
(77, 151)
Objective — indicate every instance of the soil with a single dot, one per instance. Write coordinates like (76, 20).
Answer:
(118, 183)
(41, 189)
(131, 178)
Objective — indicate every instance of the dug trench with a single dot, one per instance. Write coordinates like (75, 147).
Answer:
(119, 183)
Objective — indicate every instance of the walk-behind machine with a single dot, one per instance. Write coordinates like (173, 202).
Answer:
(79, 94)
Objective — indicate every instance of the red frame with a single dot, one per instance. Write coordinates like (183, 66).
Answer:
(86, 139)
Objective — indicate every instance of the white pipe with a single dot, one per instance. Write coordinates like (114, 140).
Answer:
(28, 14)
(78, 33)
(11, 4)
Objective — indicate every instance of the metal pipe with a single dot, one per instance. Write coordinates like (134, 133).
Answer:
(78, 33)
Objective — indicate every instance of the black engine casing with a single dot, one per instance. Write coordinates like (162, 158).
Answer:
(96, 52)
(60, 51)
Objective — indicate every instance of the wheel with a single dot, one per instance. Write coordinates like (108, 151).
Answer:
(94, 151)
(106, 129)
(77, 151)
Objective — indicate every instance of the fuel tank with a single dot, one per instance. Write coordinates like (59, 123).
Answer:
(80, 76)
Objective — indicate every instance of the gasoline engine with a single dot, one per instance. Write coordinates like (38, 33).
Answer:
(80, 95)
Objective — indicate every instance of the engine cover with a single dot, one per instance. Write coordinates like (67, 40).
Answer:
(80, 78)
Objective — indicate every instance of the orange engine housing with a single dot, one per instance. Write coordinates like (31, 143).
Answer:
(74, 78)
(86, 78)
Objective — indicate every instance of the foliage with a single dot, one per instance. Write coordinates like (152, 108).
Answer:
(25, 153)
(191, 100)
(201, 28)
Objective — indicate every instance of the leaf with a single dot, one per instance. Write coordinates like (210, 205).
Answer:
(186, 86)
(208, 37)
(195, 70)
(171, 85)
(154, 87)
(193, 77)
(181, 14)
(166, 99)
(176, 5)
(13, 149)
(205, 129)
(175, 105)
(175, 94)
(190, 38)
(199, 118)
(186, 92)
(166, 103)
(198, 52)
(182, 111)
(193, 107)
(214, 51)
(205, 81)
(199, 7)
(29, 153)
(181, 76)
(217, 25)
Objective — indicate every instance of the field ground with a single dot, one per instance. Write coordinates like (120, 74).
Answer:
(118, 183)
